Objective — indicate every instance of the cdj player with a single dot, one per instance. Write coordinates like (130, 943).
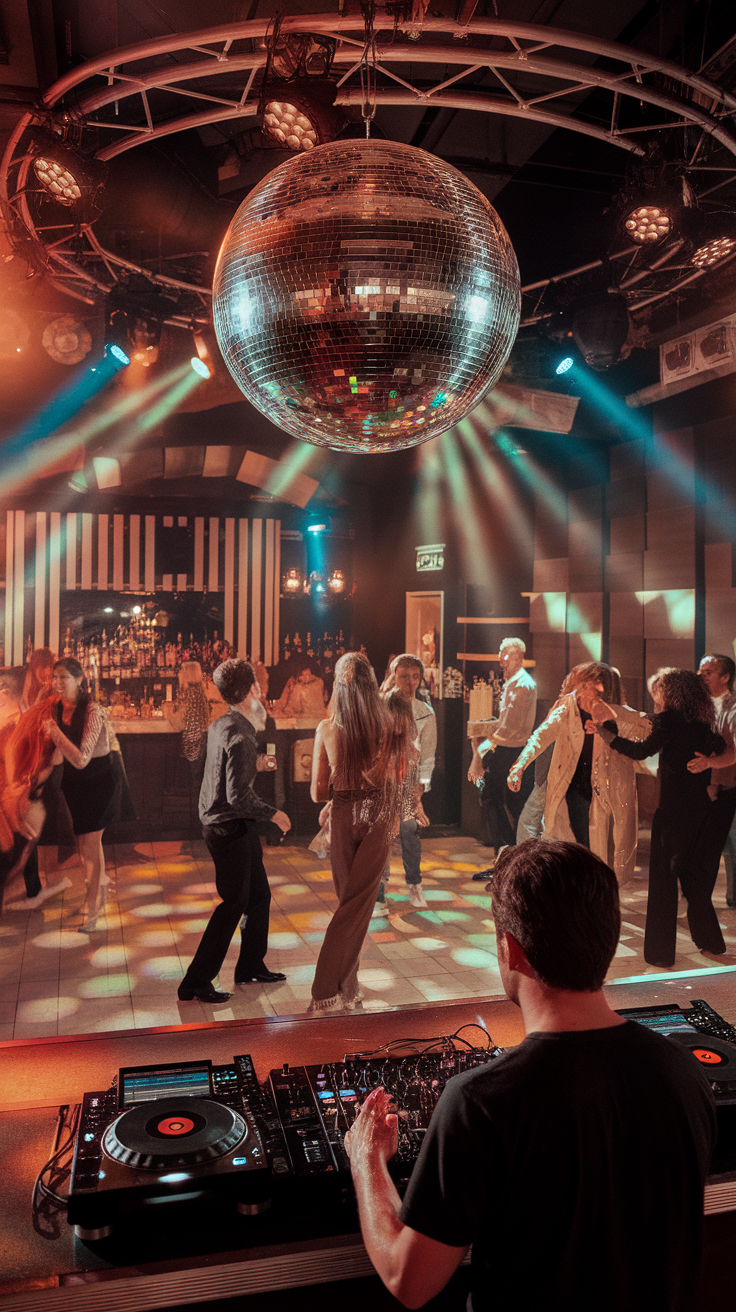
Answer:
(166, 1131)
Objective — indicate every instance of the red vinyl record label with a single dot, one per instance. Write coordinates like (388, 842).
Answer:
(173, 1125)
(708, 1056)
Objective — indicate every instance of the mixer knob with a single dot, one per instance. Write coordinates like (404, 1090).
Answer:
(285, 1068)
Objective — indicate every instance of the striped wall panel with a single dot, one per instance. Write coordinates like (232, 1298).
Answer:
(51, 555)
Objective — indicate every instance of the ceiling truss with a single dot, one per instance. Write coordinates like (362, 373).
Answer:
(130, 96)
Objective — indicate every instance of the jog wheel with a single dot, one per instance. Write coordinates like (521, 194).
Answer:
(155, 1136)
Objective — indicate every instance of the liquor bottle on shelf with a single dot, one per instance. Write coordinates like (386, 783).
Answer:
(105, 654)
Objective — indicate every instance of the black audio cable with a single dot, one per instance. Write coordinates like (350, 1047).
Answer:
(45, 1199)
(421, 1046)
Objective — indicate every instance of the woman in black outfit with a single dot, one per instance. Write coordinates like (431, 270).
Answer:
(93, 782)
(683, 725)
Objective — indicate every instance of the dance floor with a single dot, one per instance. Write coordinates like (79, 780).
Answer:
(57, 981)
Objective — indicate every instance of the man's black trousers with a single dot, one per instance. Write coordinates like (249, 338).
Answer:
(497, 801)
(241, 881)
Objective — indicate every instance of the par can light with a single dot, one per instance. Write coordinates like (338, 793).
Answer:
(564, 365)
(199, 367)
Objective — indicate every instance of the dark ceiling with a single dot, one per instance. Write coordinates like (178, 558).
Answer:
(173, 199)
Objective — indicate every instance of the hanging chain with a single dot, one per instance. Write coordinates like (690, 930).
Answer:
(368, 67)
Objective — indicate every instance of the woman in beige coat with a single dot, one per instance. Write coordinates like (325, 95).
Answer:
(612, 805)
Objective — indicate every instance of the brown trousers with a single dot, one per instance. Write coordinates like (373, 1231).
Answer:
(360, 842)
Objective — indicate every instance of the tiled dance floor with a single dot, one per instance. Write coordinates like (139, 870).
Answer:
(55, 980)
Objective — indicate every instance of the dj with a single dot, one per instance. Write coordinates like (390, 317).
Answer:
(574, 1164)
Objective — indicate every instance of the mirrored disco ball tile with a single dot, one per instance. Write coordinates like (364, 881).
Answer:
(366, 296)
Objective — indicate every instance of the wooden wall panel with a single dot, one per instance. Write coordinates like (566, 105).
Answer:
(628, 459)
(551, 575)
(624, 572)
(550, 655)
(669, 651)
(671, 567)
(626, 615)
(627, 533)
(720, 620)
(719, 565)
(584, 612)
(547, 612)
(669, 614)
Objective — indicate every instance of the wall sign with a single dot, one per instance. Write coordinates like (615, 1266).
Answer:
(431, 559)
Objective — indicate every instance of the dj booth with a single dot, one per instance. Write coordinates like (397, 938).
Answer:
(195, 1177)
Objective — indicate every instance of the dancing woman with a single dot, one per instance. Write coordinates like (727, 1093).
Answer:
(360, 756)
(683, 725)
(589, 792)
(96, 792)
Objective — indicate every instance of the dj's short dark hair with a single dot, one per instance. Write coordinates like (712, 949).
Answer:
(234, 680)
(560, 902)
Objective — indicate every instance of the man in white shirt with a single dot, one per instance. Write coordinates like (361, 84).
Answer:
(494, 756)
(717, 673)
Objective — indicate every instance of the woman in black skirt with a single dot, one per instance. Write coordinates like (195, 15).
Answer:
(683, 725)
(93, 783)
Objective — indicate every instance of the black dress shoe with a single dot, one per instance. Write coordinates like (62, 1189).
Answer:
(481, 876)
(205, 994)
(263, 977)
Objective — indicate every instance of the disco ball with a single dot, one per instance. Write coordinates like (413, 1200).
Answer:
(366, 296)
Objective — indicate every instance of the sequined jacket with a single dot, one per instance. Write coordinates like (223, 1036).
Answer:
(613, 781)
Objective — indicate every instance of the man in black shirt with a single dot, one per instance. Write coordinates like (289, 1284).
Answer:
(228, 809)
(575, 1163)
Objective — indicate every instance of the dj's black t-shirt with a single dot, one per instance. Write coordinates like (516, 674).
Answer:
(574, 1164)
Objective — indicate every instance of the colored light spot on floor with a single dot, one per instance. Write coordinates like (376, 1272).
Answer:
(473, 958)
(104, 958)
(305, 920)
(284, 942)
(429, 944)
(438, 895)
(38, 1011)
(162, 968)
(383, 938)
(453, 917)
(476, 901)
(107, 986)
(154, 910)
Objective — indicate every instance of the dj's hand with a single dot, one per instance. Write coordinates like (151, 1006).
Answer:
(374, 1132)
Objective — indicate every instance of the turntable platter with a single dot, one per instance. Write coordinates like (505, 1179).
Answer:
(179, 1131)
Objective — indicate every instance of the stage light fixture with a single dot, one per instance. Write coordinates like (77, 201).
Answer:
(646, 225)
(117, 353)
(315, 583)
(65, 175)
(336, 582)
(297, 100)
(300, 115)
(712, 237)
(564, 365)
(318, 526)
(199, 367)
(77, 482)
